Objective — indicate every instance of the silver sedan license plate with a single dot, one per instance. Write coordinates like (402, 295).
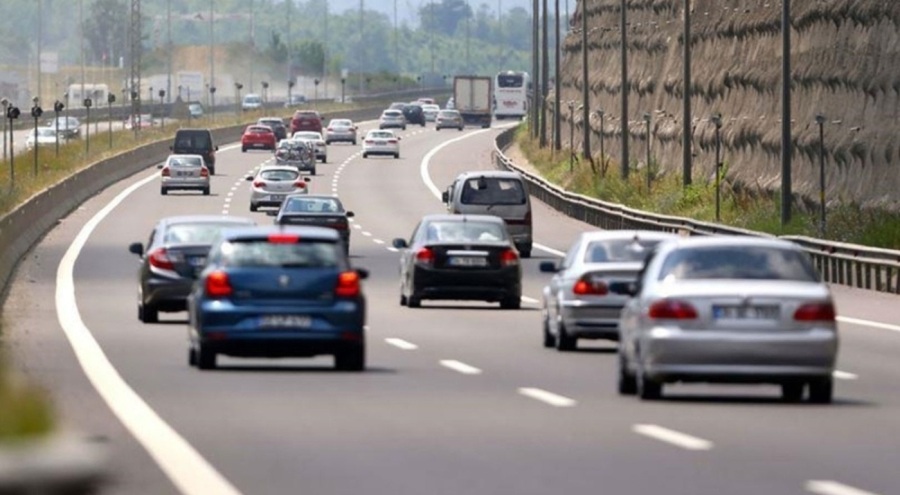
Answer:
(745, 312)
(285, 321)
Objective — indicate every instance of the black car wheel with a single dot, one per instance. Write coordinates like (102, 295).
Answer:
(163, 191)
(627, 381)
(206, 191)
(352, 359)
(396, 156)
(549, 339)
(792, 391)
(821, 391)
(148, 314)
(253, 207)
(565, 342)
(206, 358)
(511, 302)
(648, 389)
(192, 357)
(414, 301)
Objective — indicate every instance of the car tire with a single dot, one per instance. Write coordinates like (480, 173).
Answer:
(324, 159)
(206, 358)
(792, 391)
(549, 338)
(821, 391)
(206, 191)
(525, 252)
(627, 383)
(212, 170)
(511, 302)
(253, 207)
(192, 357)
(365, 155)
(243, 149)
(148, 314)
(648, 389)
(163, 191)
(565, 342)
(396, 156)
(403, 128)
(437, 128)
(352, 359)
(414, 301)
(403, 300)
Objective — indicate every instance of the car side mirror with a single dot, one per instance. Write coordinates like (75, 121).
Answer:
(549, 267)
(248, 178)
(217, 147)
(399, 243)
(363, 273)
(272, 213)
(624, 288)
(350, 214)
(306, 179)
(159, 165)
(136, 248)
(445, 197)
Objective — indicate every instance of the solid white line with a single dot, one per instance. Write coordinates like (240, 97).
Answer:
(529, 300)
(843, 375)
(547, 397)
(867, 323)
(401, 344)
(825, 487)
(357, 226)
(548, 249)
(187, 469)
(673, 437)
(460, 367)
(426, 161)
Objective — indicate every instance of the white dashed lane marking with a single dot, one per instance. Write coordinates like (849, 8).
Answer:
(367, 234)
(672, 437)
(546, 397)
(377, 241)
(401, 344)
(460, 367)
(826, 487)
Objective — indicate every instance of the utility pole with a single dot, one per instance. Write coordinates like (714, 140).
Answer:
(545, 73)
(585, 86)
(168, 49)
(252, 45)
(500, 35)
(786, 145)
(396, 46)
(81, 42)
(212, 57)
(625, 87)
(135, 72)
(535, 67)
(40, 31)
(557, 87)
(290, 74)
(687, 119)
(468, 37)
(325, 49)
(362, 45)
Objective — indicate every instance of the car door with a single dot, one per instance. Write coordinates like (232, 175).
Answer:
(408, 258)
(557, 285)
(630, 320)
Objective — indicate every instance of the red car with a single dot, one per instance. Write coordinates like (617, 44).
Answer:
(258, 137)
(306, 120)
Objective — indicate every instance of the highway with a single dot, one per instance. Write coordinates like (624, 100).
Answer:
(457, 398)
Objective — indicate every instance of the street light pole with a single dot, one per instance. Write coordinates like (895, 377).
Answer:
(717, 121)
(687, 119)
(87, 127)
(36, 112)
(625, 88)
(5, 104)
(786, 145)
(585, 87)
(820, 120)
(602, 114)
(110, 99)
(545, 72)
(571, 136)
(649, 167)
(535, 67)
(12, 113)
(557, 87)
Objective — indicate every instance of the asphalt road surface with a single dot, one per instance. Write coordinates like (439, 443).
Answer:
(457, 399)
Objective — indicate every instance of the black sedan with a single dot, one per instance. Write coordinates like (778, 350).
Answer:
(461, 257)
(174, 255)
(316, 210)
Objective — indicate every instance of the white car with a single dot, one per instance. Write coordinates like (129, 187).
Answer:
(317, 140)
(430, 111)
(381, 142)
(184, 172)
(45, 136)
(271, 185)
(251, 102)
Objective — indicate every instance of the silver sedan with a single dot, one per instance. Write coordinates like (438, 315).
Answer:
(272, 184)
(728, 309)
(183, 172)
(577, 303)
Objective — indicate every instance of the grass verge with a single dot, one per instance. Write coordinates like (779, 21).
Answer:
(25, 411)
(741, 207)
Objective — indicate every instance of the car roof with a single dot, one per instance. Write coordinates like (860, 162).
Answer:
(607, 235)
(180, 219)
(447, 217)
(490, 174)
(731, 240)
(318, 233)
(269, 168)
(270, 119)
(185, 155)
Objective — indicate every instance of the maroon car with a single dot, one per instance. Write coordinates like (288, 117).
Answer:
(306, 120)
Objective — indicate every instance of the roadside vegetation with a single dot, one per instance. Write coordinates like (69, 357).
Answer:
(739, 207)
(25, 411)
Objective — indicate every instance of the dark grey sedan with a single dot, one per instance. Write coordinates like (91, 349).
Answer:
(174, 255)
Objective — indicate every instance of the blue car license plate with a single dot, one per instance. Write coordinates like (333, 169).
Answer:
(285, 321)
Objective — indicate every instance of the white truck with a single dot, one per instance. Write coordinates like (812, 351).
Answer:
(473, 97)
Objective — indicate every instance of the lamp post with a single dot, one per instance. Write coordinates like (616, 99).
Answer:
(649, 167)
(212, 99)
(602, 114)
(687, 118)
(717, 121)
(265, 87)
(557, 86)
(180, 87)
(12, 113)
(786, 144)
(58, 107)
(316, 92)
(625, 132)
(135, 105)
(343, 83)
(87, 128)
(36, 112)
(820, 120)
(162, 106)
(237, 102)
(110, 99)
(571, 105)
(5, 104)
(291, 84)
(585, 90)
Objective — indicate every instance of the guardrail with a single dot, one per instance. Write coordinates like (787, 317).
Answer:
(852, 265)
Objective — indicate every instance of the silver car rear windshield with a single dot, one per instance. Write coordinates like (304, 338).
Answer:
(279, 175)
(194, 233)
(618, 250)
(186, 161)
(738, 262)
(465, 232)
(262, 253)
(493, 191)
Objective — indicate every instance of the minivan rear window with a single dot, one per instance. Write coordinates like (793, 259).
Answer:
(492, 191)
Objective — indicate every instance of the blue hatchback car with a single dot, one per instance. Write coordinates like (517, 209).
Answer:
(278, 292)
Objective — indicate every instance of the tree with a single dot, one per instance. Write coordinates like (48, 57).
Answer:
(310, 56)
(277, 50)
(444, 16)
(106, 30)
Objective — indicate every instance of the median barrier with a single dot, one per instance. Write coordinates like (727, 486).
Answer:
(852, 265)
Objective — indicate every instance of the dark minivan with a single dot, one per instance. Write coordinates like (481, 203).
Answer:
(196, 142)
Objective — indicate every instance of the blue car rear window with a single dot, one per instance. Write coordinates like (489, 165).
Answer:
(262, 253)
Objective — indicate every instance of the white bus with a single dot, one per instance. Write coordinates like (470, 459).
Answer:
(511, 91)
